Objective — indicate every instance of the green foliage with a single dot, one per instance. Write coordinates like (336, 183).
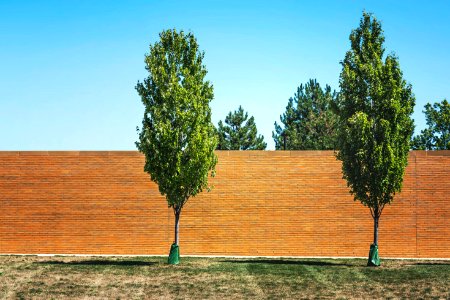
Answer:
(177, 136)
(239, 133)
(375, 127)
(309, 122)
(437, 135)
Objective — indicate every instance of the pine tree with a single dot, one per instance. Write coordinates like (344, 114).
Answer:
(308, 122)
(437, 135)
(238, 133)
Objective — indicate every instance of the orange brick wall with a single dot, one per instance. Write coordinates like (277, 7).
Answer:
(280, 203)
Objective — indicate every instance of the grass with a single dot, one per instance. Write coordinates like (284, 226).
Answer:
(26, 277)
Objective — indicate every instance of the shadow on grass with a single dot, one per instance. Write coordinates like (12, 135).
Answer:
(437, 263)
(97, 262)
(288, 262)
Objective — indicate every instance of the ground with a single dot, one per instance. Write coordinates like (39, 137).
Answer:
(25, 277)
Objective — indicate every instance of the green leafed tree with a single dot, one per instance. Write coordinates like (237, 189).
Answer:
(239, 132)
(309, 123)
(437, 135)
(177, 136)
(375, 126)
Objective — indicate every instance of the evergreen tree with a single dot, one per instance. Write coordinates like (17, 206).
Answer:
(309, 122)
(177, 136)
(437, 135)
(375, 127)
(238, 133)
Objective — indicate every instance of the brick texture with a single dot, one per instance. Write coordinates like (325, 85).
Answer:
(268, 203)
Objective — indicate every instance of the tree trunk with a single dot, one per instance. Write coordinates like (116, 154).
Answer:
(177, 225)
(375, 230)
(174, 255)
(374, 259)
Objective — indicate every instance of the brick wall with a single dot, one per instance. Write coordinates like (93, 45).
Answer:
(281, 203)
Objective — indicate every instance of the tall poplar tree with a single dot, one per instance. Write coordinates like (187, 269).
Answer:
(375, 127)
(177, 136)
(239, 132)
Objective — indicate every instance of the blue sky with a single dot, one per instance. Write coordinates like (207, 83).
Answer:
(69, 68)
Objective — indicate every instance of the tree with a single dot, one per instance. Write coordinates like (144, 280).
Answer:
(437, 135)
(309, 122)
(177, 136)
(238, 133)
(375, 127)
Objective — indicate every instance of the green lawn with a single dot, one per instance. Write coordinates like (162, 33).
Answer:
(25, 277)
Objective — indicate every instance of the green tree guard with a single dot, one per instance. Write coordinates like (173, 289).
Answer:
(374, 259)
(174, 255)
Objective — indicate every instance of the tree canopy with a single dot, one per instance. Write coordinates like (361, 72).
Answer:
(177, 136)
(375, 127)
(308, 122)
(437, 135)
(239, 132)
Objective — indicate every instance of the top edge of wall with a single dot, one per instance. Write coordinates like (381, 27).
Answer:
(426, 153)
(69, 153)
(236, 153)
(438, 153)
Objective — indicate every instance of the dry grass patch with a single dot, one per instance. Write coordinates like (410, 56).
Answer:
(25, 277)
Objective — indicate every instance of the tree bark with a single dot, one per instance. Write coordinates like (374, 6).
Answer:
(177, 225)
(375, 230)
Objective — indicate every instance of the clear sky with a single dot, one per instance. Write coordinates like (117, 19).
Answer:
(69, 68)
